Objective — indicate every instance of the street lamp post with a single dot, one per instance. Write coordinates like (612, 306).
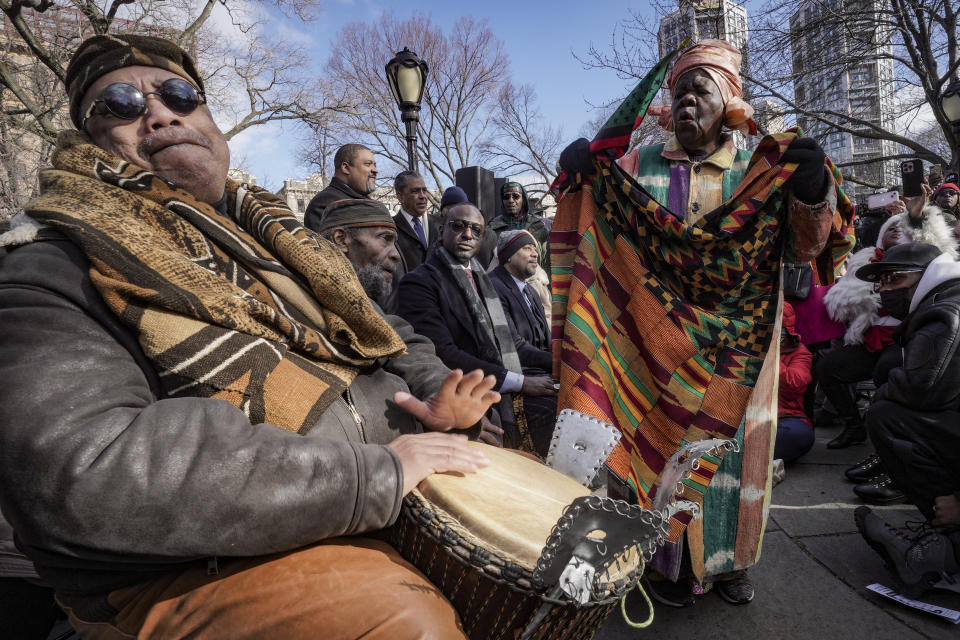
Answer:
(407, 75)
(950, 103)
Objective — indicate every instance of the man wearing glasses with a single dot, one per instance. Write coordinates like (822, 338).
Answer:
(518, 217)
(199, 398)
(913, 419)
(451, 300)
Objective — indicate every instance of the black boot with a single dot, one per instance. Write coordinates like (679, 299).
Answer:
(853, 433)
(919, 560)
(867, 468)
(879, 490)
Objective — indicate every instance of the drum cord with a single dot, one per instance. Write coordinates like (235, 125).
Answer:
(623, 603)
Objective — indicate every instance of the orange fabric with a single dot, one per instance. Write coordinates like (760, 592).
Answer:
(338, 590)
(721, 61)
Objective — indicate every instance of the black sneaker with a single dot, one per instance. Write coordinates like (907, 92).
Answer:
(864, 470)
(879, 490)
(736, 590)
(918, 559)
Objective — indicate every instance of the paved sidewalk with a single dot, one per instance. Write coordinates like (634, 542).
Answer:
(813, 572)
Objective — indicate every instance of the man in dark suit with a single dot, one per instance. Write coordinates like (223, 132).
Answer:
(517, 254)
(415, 230)
(450, 300)
(354, 176)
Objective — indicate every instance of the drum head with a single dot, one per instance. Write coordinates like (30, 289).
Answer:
(509, 507)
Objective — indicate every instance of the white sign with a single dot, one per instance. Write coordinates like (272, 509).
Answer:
(943, 612)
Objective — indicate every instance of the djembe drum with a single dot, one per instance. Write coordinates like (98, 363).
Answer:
(523, 551)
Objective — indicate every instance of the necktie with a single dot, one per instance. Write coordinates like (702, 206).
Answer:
(470, 278)
(419, 229)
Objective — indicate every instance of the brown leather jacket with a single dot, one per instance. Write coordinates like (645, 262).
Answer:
(107, 484)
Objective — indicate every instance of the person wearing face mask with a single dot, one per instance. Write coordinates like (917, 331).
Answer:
(913, 418)
(868, 350)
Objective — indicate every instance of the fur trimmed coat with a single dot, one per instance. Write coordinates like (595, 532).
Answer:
(853, 301)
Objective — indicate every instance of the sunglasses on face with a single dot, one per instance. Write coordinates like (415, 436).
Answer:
(887, 279)
(459, 226)
(127, 102)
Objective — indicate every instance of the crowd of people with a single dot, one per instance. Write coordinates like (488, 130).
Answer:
(208, 406)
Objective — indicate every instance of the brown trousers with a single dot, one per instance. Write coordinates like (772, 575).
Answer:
(339, 589)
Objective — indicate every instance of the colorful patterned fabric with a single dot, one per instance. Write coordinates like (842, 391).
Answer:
(249, 307)
(689, 194)
(665, 330)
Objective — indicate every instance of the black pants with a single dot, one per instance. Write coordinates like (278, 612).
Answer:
(837, 370)
(27, 611)
(919, 449)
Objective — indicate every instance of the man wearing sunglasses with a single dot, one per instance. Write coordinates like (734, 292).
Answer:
(451, 300)
(198, 396)
(913, 418)
(517, 216)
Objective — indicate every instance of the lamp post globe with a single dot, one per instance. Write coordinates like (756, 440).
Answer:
(407, 75)
(950, 104)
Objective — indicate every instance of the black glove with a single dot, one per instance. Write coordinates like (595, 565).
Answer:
(576, 158)
(808, 180)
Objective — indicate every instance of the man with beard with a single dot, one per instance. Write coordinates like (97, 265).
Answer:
(366, 233)
(450, 300)
(517, 253)
(354, 176)
(912, 419)
(203, 413)
(517, 215)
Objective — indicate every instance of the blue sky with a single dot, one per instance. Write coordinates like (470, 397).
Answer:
(539, 38)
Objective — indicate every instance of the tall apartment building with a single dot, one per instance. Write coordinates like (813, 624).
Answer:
(834, 72)
(702, 20)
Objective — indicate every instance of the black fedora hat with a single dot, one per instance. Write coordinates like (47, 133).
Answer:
(903, 258)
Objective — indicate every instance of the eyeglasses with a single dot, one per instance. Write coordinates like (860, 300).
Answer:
(890, 278)
(127, 102)
(512, 196)
(459, 226)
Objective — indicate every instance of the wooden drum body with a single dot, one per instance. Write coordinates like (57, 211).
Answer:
(494, 543)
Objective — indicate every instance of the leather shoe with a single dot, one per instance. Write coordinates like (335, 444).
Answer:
(879, 490)
(867, 468)
(852, 434)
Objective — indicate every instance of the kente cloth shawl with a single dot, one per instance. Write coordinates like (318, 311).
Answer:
(663, 329)
(248, 307)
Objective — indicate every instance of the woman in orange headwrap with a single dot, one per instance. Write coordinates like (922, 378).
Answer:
(694, 172)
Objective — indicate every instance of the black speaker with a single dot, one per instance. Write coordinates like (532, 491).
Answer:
(478, 183)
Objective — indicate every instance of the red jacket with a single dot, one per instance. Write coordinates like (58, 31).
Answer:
(795, 375)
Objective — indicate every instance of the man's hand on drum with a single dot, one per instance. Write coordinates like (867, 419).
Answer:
(460, 403)
(423, 454)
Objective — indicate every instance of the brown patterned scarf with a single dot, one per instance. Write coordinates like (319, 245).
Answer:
(248, 307)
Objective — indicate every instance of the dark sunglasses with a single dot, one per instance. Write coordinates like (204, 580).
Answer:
(127, 102)
(459, 226)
